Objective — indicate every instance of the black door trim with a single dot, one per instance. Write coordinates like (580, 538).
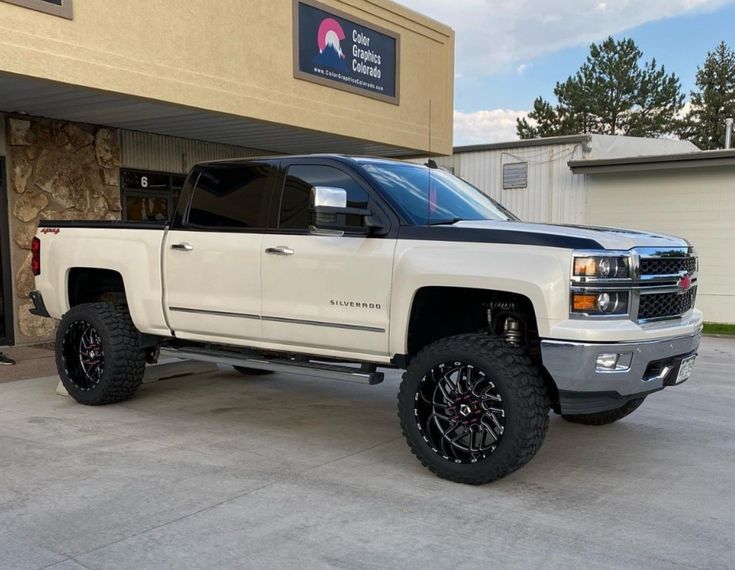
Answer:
(5, 264)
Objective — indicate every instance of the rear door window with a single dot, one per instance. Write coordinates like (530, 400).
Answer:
(232, 196)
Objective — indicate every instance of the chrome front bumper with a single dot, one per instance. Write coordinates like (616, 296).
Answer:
(584, 389)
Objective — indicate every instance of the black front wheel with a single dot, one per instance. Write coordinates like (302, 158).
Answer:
(98, 354)
(473, 408)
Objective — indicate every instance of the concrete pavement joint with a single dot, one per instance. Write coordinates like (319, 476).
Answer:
(70, 559)
(236, 497)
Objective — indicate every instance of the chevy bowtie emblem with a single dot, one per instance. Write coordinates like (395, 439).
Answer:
(684, 283)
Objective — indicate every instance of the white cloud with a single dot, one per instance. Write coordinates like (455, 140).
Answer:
(521, 68)
(685, 109)
(495, 125)
(495, 36)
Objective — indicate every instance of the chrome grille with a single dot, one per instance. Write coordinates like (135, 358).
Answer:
(665, 305)
(668, 265)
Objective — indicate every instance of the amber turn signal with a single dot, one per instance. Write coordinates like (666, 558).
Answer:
(584, 302)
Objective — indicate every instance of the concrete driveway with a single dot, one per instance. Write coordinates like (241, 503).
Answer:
(223, 471)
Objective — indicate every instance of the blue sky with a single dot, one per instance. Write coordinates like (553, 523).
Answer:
(509, 53)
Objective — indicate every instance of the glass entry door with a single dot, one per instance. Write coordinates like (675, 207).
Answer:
(6, 300)
(149, 196)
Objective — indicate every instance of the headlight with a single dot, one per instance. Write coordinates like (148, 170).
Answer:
(602, 267)
(601, 303)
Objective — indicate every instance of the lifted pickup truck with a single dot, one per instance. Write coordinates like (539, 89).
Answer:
(334, 266)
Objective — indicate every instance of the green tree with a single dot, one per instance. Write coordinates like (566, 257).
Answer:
(611, 93)
(713, 101)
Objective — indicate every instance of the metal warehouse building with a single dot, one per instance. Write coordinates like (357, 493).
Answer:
(104, 106)
(657, 185)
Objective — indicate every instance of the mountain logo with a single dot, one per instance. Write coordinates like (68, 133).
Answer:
(329, 39)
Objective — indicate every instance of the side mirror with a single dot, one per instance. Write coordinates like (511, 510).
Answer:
(331, 216)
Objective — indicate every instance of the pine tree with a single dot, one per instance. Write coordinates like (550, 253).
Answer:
(611, 93)
(713, 101)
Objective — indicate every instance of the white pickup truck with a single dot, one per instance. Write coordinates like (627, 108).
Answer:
(336, 266)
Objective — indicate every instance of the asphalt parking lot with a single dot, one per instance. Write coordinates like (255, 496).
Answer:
(219, 470)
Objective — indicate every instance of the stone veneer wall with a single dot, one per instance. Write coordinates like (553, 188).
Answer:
(57, 170)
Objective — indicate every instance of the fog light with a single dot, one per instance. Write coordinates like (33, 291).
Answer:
(607, 361)
(613, 361)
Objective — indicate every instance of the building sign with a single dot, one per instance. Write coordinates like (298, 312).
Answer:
(334, 49)
(61, 8)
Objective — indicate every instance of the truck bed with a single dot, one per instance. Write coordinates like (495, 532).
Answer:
(131, 250)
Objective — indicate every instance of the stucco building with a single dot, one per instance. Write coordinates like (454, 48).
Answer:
(104, 106)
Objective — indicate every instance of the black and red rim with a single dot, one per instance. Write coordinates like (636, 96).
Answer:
(459, 412)
(83, 354)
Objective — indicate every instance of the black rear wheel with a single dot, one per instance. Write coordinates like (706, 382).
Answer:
(83, 354)
(473, 408)
(98, 354)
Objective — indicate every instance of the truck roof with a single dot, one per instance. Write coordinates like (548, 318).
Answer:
(351, 159)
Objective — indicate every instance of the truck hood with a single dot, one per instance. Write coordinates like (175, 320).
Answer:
(585, 236)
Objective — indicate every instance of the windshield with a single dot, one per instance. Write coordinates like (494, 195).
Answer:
(432, 196)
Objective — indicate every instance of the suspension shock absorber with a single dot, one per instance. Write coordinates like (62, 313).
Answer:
(513, 331)
(505, 321)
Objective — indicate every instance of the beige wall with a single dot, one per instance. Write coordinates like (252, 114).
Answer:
(236, 57)
(695, 203)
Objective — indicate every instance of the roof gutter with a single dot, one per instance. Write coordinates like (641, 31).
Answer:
(524, 143)
(700, 159)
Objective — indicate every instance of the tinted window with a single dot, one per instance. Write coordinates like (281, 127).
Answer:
(150, 196)
(295, 214)
(232, 196)
(427, 195)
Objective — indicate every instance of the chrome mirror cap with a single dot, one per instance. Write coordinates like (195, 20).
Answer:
(328, 197)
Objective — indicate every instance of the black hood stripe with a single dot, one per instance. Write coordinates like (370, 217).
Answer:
(511, 237)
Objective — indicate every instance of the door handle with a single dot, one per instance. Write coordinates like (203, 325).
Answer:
(182, 247)
(280, 250)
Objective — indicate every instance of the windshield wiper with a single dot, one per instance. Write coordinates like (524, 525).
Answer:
(449, 222)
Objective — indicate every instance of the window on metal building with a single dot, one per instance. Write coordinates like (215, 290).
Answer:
(515, 175)
(150, 196)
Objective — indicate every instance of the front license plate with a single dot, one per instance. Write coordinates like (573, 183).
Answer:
(685, 370)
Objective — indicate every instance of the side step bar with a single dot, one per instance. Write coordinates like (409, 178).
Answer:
(364, 375)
